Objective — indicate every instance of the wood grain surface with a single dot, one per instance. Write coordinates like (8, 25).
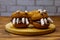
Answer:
(8, 36)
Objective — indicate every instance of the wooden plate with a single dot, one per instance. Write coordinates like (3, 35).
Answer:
(29, 31)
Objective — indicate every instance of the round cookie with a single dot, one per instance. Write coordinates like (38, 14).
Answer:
(37, 16)
(18, 15)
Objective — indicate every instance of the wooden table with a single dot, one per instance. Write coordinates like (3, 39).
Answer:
(8, 36)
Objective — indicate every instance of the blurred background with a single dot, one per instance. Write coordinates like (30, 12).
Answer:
(9, 6)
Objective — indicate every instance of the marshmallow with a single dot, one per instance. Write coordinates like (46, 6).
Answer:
(42, 22)
(50, 20)
(27, 22)
(13, 20)
(23, 20)
(17, 20)
(45, 20)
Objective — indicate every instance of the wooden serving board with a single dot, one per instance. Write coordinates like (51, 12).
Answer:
(29, 31)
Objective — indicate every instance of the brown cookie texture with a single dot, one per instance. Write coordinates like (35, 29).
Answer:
(39, 26)
(34, 15)
(19, 14)
(20, 25)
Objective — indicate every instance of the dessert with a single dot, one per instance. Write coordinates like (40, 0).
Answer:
(40, 19)
(20, 19)
(36, 19)
(34, 22)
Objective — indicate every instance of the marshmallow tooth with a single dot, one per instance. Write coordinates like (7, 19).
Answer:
(17, 20)
(13, 21)
(45, 20)
(42, 22)
(23, 20)
(27, 22)
(50, 20)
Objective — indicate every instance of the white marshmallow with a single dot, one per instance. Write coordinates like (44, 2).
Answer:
(13, 21)
(45, 20)
(23, 20)
(27, 22)
(26, 11)
(44, 11)
(40, 10)
(42, 22)
(18, 11)
(50, 20)
(17, 20)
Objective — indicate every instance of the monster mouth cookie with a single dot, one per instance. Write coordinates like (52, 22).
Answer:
(34, 22)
